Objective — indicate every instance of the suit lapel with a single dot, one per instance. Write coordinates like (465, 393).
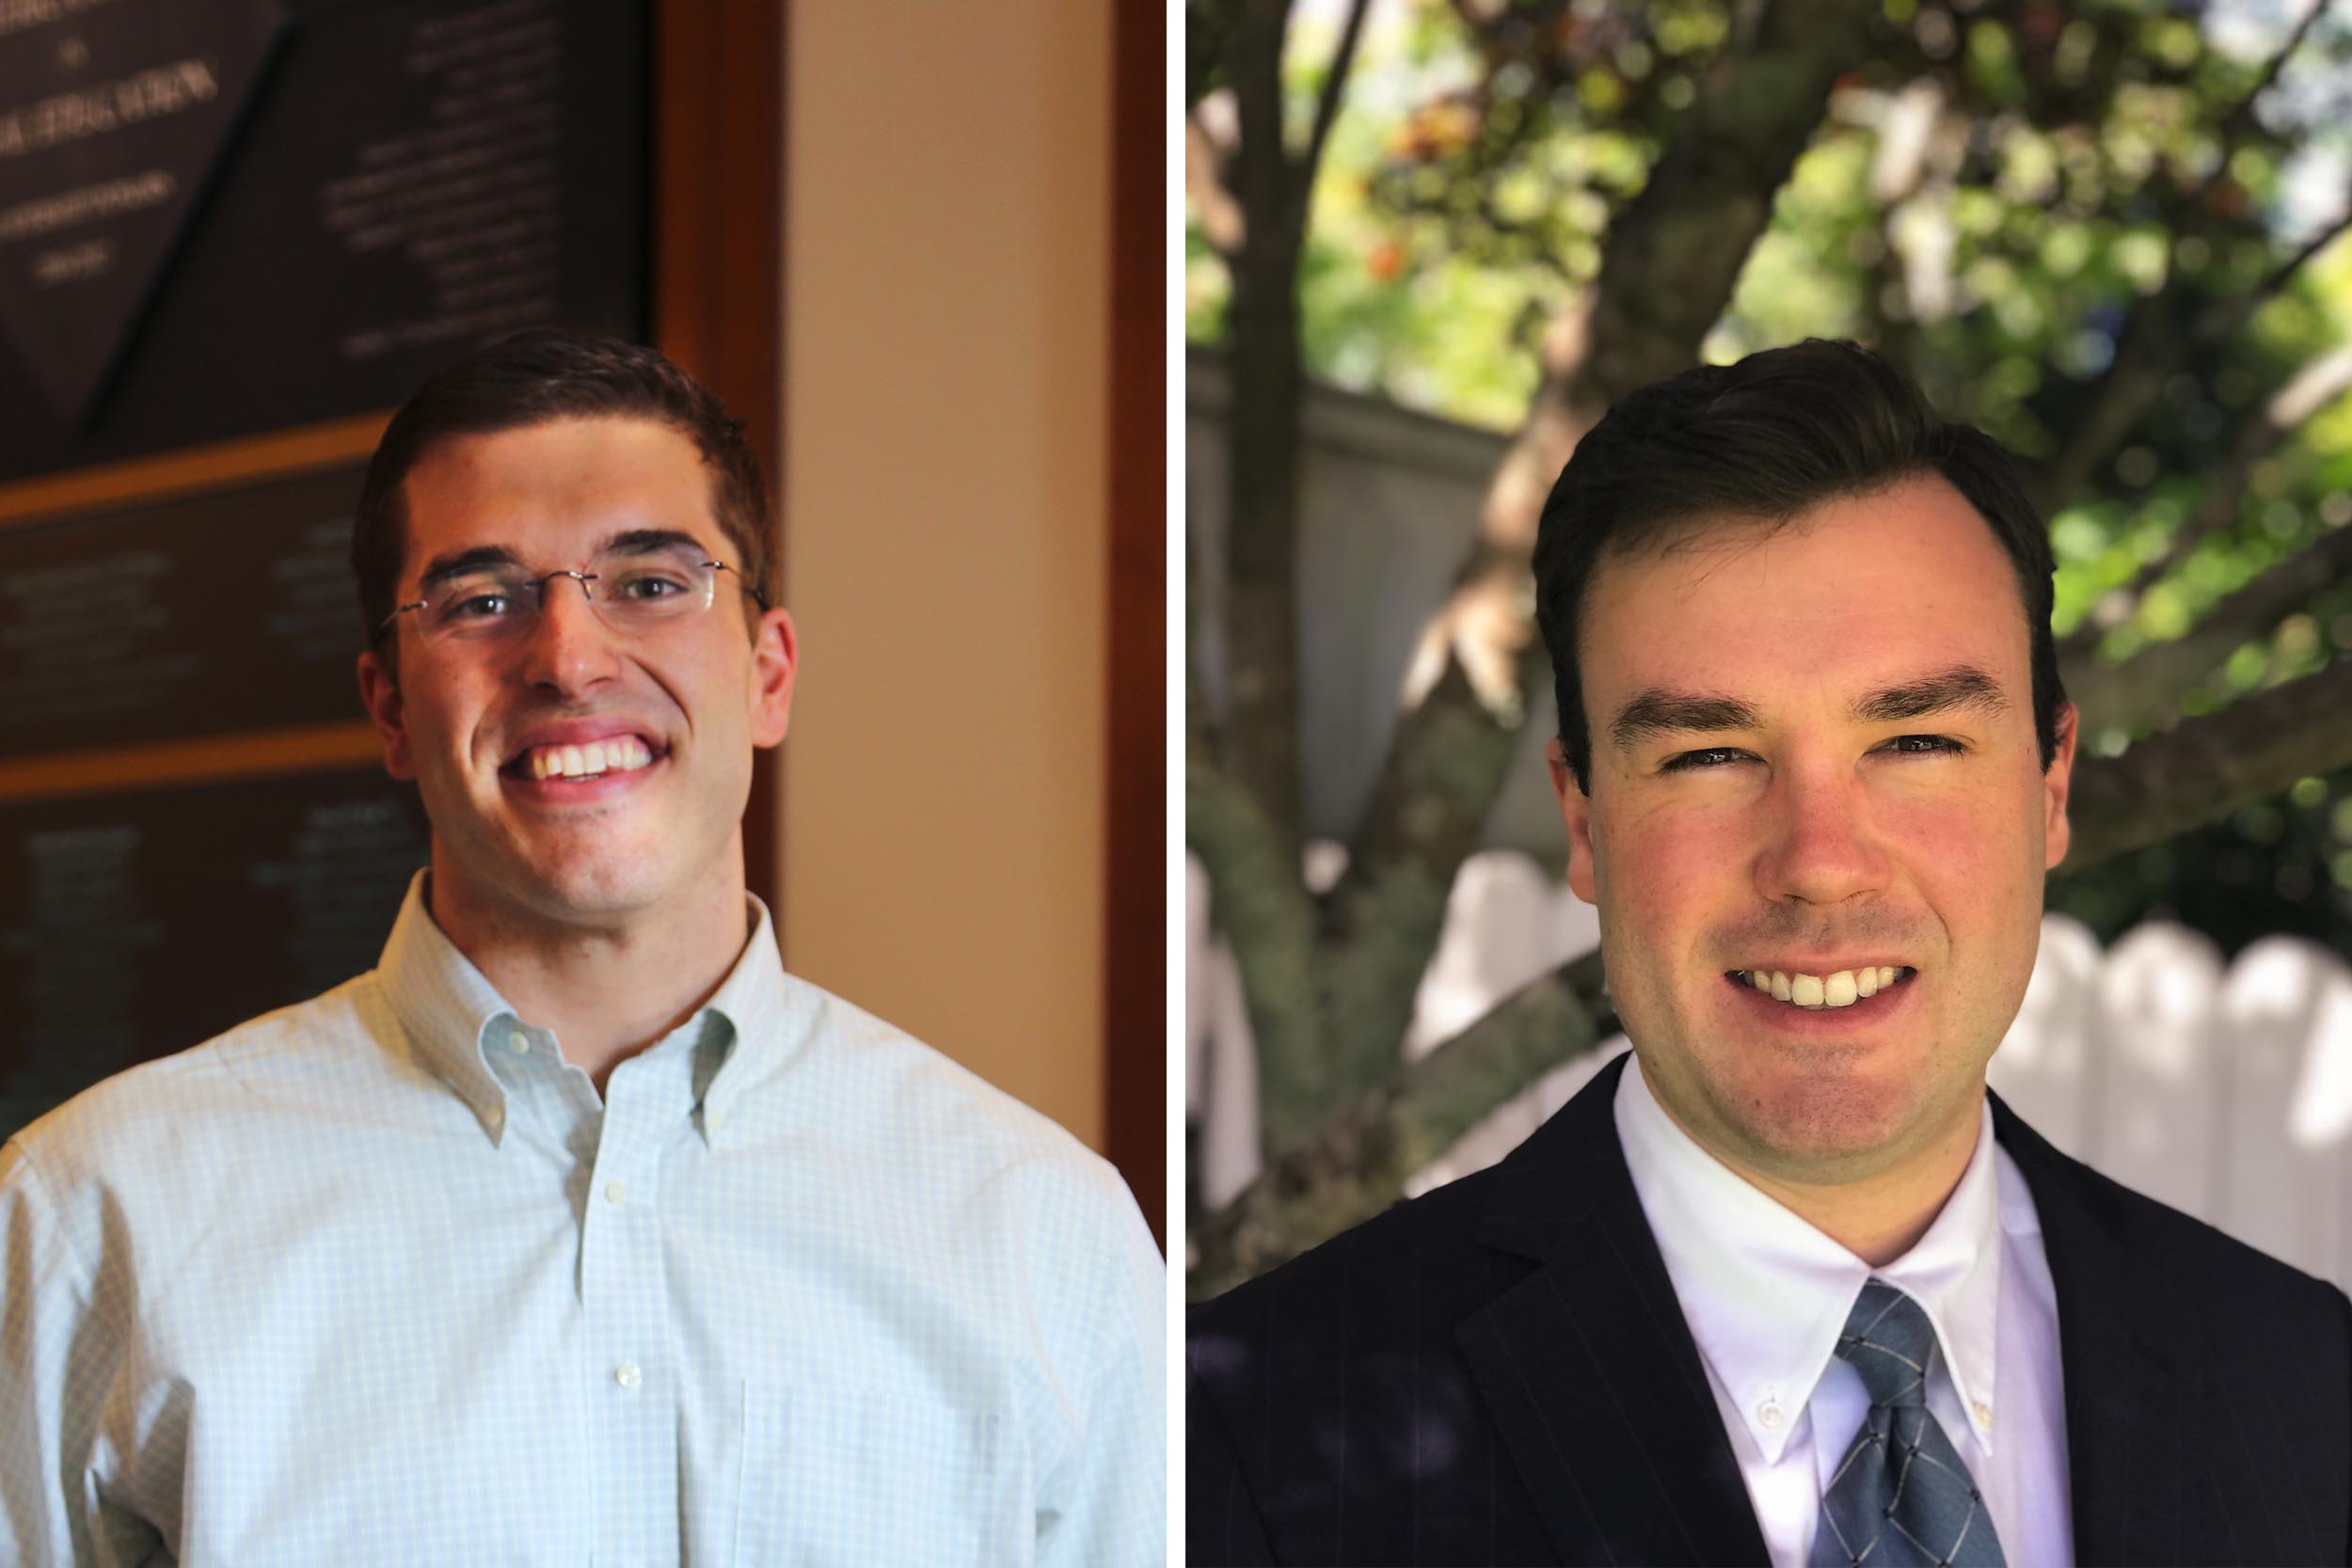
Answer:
(1587, 1367)
(2125, 1398)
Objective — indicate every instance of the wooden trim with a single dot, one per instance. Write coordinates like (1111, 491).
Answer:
(1135, 992)
(200, 759)
(281, 451)
(718, 265)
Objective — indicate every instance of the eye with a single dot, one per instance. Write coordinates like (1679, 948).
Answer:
(1689, 761)
(647, 586)
(477, 604)
(1932, 744)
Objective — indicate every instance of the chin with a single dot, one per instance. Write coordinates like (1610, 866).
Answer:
(1830, 1121)
(597, 890)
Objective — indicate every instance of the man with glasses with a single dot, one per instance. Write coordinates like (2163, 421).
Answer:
(576, 1231)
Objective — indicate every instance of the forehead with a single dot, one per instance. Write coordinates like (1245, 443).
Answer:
(1906, 579)
(549, 490)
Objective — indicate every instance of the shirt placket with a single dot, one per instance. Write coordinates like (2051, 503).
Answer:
(632, 1388)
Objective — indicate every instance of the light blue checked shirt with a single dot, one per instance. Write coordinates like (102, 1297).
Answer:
(379, 1279)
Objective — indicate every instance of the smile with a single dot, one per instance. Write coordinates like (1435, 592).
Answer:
(565, 760)
(621, 755)
(1840, 989)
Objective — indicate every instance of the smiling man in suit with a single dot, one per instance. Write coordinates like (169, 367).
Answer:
(1787, 1284)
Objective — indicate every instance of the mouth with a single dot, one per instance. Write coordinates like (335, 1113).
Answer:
(569, 767)
(1824, 1002)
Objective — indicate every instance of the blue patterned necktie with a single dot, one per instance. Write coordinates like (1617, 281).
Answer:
(1902, 1497)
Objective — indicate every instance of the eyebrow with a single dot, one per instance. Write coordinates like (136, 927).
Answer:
(635, 541)
(1660, 712)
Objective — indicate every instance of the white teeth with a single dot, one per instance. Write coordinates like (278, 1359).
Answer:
(1841, 990)
(622, 754)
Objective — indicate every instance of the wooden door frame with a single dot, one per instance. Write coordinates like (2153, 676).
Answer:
(1135, 1033)
(717, 172)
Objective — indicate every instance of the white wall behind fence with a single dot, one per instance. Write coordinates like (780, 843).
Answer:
(2226, 1092)
(1388, 504)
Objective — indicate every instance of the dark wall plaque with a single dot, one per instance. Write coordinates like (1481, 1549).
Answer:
(113, 113)
(222, 219)
(406, 180)
(228, 612)
(135, 925)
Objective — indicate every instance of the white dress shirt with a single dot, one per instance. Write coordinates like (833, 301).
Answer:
(380, 1278)
(1767, 1295)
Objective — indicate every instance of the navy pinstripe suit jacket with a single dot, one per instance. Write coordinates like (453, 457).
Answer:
(1499, 1373)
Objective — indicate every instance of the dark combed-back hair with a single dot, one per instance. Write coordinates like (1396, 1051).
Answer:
(1769, 438)
(529, 379)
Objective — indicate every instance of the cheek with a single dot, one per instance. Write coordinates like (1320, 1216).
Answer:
(435, 728)
(1665, 875)
(1975, 846)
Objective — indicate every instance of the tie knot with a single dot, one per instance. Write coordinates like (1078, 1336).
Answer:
(1889, 1340)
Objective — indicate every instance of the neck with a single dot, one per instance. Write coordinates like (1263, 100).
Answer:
(1878, 1220)
(607, 989)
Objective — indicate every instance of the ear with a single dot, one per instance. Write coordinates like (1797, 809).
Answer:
(379, 689)
(775, 660)
(1577, 811)
(2055, 835)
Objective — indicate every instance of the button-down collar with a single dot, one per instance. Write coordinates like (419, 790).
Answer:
(1766, 1294)
(466, 1033)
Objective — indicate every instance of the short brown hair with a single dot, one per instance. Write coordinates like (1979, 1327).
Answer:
(533, 377)
(1769, 438)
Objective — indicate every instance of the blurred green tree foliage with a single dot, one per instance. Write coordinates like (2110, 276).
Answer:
(2103, 231)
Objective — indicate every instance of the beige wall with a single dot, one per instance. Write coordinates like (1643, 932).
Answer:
(945, 351)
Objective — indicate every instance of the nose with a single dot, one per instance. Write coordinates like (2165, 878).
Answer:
(1821, 847)
(568, 649)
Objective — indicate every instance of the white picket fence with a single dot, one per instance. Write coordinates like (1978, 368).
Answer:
(2224, 1092)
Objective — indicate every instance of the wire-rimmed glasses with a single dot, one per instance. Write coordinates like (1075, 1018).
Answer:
(631, 592)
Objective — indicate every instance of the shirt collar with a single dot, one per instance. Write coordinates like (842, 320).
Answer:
(451, 1012)
(1766, 1294)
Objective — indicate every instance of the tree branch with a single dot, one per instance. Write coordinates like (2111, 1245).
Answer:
(2241, 115)
(2152, 343)
(1265, 911)
(1327, 103)
(2320, 382)
(2207, 767)
(2142, 689)
(1259, 729)
(1423, 821)
(2222, 319)
(1358, 1162)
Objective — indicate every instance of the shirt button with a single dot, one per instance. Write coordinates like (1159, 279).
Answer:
(518, 1043)
(1984, 1417)
(614, 1192)
(1769, 1414)
(625, 1374)
(710, 1119)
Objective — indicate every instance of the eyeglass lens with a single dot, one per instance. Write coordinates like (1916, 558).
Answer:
(626, 592)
